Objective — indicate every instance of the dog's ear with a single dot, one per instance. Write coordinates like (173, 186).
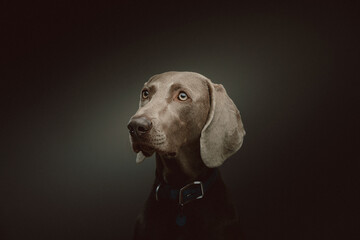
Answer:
(223, 132)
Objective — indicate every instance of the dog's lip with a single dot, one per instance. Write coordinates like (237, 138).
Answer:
(144, 148)
(148, 150)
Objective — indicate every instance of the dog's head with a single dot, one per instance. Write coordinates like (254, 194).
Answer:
(178, 109)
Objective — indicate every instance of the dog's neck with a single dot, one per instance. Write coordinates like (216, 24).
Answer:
(182, 169)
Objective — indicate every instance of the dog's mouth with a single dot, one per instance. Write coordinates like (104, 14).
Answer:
(143, 151)
(144, 148)
(147, 151)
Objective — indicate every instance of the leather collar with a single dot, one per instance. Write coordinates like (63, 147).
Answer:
(192, 191)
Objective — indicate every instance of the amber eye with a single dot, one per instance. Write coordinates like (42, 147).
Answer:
(182, 96)
(145, 94)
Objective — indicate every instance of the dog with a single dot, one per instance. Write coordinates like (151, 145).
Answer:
(192, 126)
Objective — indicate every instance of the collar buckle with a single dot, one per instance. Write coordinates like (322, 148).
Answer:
(190, 192)
(156, 192)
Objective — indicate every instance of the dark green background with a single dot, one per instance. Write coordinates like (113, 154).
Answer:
(73, 72)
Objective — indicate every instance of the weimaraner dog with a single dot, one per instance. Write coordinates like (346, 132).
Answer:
(193, 127)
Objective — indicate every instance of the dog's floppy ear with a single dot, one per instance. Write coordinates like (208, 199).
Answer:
(223, 132)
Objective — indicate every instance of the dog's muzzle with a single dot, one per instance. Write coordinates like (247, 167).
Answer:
(139, 126)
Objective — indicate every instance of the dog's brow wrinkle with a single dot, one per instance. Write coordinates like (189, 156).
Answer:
(176, 86)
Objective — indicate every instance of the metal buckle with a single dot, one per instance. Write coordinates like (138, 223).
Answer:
(156, 192)
(181, 193)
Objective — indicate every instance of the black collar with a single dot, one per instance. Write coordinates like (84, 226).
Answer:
(192, 191)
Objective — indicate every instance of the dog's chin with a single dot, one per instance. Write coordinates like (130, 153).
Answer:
(167, 155)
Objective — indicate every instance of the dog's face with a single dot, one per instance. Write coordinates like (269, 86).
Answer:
(182, 109)
(175, 108)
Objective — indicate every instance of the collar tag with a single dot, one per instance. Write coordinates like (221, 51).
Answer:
(180, 220)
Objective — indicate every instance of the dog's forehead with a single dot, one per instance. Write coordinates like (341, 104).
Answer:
(187, 79)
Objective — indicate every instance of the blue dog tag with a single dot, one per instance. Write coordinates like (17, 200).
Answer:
(180, 220)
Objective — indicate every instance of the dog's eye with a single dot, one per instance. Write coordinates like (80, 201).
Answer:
(145, 94)
(182, 96)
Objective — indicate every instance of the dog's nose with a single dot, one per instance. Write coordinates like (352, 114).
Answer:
(139, 126)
